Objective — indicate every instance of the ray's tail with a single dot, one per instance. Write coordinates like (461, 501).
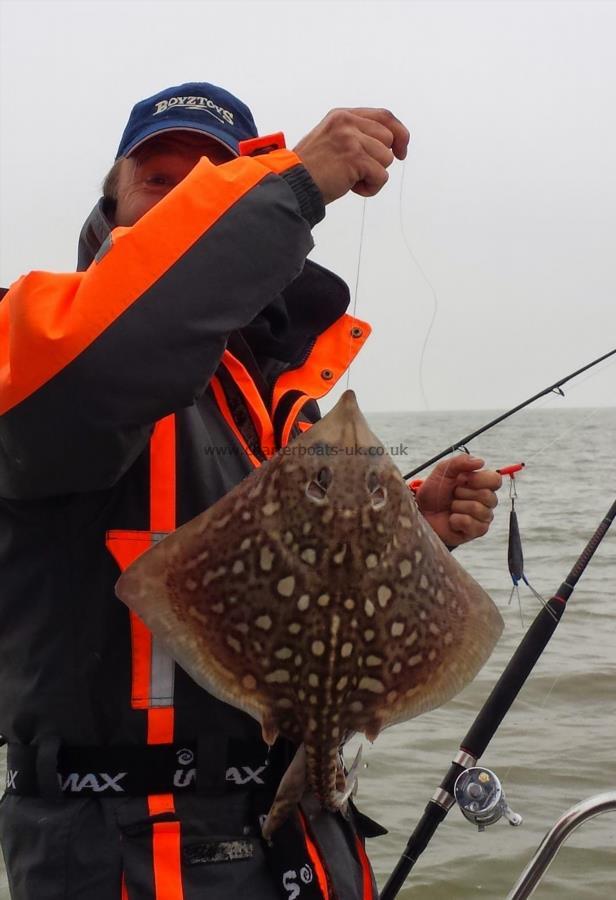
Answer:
(322, 772)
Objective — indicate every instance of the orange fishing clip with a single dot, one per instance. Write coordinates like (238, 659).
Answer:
(511, 470)
(416, 483)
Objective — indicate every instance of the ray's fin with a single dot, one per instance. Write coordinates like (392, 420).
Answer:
(352, 778)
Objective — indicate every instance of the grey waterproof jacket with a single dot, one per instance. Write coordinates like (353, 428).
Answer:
(135, 393)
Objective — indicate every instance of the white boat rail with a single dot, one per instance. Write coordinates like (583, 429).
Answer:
(554, 839)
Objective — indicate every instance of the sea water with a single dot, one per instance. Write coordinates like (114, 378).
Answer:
(557, 745)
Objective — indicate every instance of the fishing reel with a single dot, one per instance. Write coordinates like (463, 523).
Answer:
(479, 794)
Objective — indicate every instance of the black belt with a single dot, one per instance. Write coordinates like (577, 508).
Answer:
(209, 765)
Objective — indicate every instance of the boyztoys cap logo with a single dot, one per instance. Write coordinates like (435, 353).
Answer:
(201, 103)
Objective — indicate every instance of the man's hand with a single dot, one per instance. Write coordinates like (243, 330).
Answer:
(351, 149)
(457, 499)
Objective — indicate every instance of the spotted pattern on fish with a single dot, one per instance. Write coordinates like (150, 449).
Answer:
(315, 597)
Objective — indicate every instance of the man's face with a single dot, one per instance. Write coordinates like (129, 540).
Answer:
(157, 166)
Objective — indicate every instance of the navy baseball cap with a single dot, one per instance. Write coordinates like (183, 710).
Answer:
(194, 106)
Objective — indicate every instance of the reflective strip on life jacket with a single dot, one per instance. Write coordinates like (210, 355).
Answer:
(162, 521)
(223, 406)
(291, 417)
(315, 858)
(366, 870)
(162, 476)
(126, 547)
(166, 855)
(153, 670)
(254, 401)
(166, 851)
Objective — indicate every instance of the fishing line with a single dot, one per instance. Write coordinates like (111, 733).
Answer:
(543, 403)
(538, 708)
(564, 434)
(591, 414)
(431, 288)
(357, 274)
(555, 388)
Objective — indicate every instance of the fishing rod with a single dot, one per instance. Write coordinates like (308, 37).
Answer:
(488, 720)
(553, 388)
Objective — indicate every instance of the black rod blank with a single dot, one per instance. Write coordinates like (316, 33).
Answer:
(469, 437)
(497, 705)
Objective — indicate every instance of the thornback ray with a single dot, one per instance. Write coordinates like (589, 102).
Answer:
(315, 597)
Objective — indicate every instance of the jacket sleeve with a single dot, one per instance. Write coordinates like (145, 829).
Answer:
(90, 360)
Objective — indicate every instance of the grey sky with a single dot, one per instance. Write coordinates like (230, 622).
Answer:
(509, 200)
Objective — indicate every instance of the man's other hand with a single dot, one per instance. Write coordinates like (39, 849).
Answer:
(351, 149)
(457, 499)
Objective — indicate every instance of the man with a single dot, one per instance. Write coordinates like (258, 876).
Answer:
(193, 342)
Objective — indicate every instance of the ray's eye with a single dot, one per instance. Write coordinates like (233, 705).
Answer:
(378, 493)
(325, 477)
(372, 480)
(316, 489)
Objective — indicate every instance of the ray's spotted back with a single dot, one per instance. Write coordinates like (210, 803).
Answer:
(315, 597)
